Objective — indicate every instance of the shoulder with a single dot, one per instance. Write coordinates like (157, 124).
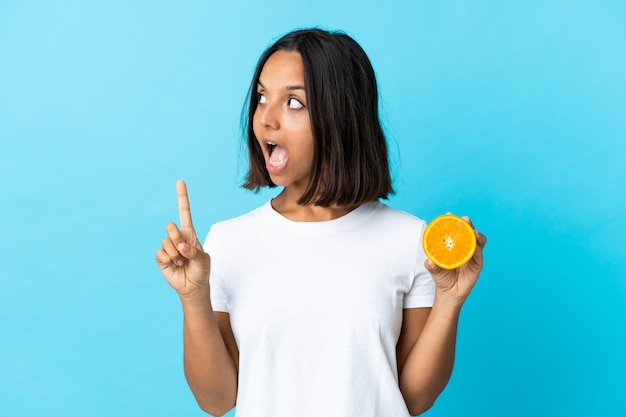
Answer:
(234, 228)
(387, 226)
(242, 221)
(390, 217)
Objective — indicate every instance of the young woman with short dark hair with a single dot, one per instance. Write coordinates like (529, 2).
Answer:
(321, 302)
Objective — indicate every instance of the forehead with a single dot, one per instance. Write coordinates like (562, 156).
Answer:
(282, 68)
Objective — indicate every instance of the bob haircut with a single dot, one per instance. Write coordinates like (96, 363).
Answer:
(350, 160)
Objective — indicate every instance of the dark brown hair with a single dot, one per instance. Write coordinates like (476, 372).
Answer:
(350, 161)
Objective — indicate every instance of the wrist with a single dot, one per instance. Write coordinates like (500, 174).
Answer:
(198, 314)
(200, 296)
(447, 303)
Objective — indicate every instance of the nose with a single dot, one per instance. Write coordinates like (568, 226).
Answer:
(267, 115)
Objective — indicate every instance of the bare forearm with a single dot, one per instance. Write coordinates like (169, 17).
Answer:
(429, 364)
(209, 368)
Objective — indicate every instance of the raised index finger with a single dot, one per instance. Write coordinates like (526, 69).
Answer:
(183, 205)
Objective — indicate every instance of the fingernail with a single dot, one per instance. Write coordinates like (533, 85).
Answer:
(181, 247)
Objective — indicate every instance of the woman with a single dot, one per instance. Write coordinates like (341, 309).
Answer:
(321, 302)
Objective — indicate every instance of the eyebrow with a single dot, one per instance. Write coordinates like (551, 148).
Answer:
(288, 88)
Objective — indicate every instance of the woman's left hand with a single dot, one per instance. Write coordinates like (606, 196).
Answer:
(458, 282)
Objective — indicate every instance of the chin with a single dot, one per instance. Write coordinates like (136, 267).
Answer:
(278, 181)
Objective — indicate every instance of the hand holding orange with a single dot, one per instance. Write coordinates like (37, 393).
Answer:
(449, 241)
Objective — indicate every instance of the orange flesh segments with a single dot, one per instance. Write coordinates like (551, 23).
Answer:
(449, 241)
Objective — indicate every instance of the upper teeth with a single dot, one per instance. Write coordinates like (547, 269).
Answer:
(271, 143)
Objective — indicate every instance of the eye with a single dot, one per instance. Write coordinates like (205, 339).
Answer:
(261, 99)
(295, 103)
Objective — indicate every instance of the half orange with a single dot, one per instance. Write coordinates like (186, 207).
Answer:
(449, 241)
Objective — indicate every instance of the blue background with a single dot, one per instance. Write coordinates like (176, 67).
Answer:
(511, 112)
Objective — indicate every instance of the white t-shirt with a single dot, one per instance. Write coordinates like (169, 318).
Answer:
(316, 308)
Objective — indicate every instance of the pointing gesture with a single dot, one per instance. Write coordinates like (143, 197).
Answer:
(181, 259)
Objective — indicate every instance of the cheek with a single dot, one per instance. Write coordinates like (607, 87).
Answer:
(308, 134)
(311, 151)
(308, 149)
(308, 143)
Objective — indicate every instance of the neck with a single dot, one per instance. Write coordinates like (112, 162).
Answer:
(287, 205)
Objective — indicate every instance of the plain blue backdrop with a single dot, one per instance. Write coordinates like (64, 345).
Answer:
(511, 112)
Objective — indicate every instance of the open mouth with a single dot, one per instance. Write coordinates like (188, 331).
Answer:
(277, 155)
(270, 147)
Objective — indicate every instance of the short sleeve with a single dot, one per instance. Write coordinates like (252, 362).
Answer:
(219, 299)
(422, 292)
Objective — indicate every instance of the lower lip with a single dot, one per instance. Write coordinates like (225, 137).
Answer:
(274, 170)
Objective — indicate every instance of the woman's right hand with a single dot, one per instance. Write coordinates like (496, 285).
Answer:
(182, 260)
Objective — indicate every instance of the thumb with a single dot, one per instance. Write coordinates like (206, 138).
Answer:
(188, 251)
(432, 268)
